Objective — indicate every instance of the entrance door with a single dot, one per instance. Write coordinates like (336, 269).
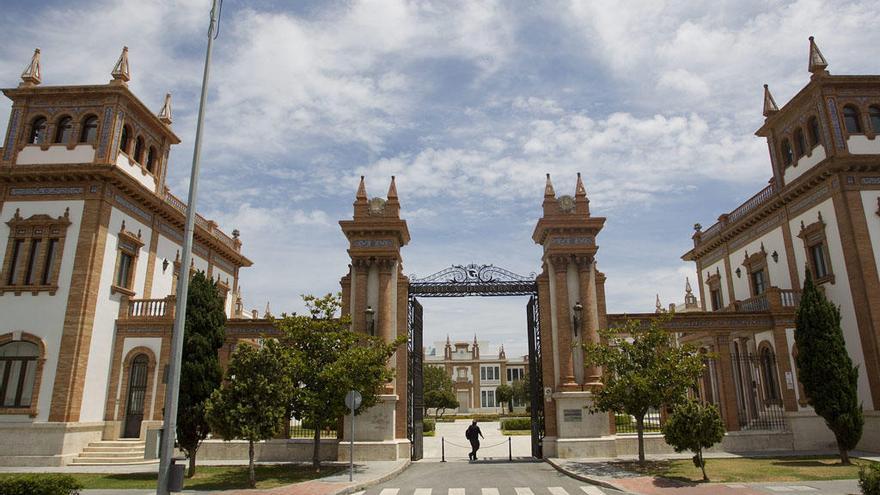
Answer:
(137, 391)
(536, 380)
(415, 383)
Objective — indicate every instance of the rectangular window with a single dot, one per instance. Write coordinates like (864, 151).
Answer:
(482, 373)
(462, 373)
(758, 282)
(487, 398)
(123, 272)
(49, 266)
(31, 276)
(14, 259)
(716, 299)
(818, 253)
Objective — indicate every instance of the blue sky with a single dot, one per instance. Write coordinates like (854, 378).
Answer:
(469, 104)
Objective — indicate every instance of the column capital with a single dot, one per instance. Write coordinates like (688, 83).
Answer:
(560, 263)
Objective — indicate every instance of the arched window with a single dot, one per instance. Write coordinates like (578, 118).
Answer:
(18, 371)
(64, 130)
(768, 369)
(139, 150)
(151, 159)
(800, 144)
(852, 120)
(787, 156)
(39, 128)
(874, 113)
(125, 141)
(813, 127)
(89, 132)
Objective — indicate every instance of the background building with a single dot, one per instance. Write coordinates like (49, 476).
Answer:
(475, 376)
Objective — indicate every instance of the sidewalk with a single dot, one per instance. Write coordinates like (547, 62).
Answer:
(603, 473)
(366, 474)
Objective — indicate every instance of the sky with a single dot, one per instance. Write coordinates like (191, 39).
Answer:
(468, 104)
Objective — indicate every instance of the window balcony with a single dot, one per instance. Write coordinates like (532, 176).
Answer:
(147, 309)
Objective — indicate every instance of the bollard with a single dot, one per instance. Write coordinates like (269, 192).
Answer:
(510, 449)
(443, 449)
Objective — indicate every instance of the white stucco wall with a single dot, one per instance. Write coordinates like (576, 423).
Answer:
(711, 270)
(41, 315)
(58, 153)
(106, 312)
(861, 145)
(803, 164)
(839, 292)
(133, 169)
(166, 249)
(777, 272)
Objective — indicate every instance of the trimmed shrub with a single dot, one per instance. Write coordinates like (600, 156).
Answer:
(428, 425)
(40, 484)
(622, 419)
(869, 479)
(516, 424)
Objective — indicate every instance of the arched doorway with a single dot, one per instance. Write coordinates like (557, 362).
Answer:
(137, 391)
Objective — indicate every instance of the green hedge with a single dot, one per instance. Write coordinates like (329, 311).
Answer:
(869, 479)
(516, 424)
(40, 484)
(428, 425)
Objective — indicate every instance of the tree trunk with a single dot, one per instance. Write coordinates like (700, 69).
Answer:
(192, 464)
(844, 456)
(702, 464)
(640, 430)
(510, 406)
(316, 459)
(252, 476)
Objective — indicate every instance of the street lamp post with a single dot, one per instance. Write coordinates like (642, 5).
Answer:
(576, 317)
(370, 315)
(169, 427)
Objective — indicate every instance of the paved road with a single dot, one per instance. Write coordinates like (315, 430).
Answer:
(484, 478)
(493, 446)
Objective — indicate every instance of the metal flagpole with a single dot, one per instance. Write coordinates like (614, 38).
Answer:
(169, 428)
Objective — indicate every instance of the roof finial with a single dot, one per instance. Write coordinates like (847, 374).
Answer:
(818, 64)
(687, 286)
(121, 73)
(548, 188)
(361, 194)
(268, 313)
(32, 75)
(769, 103)
(392, 189)
(580, 190)
(165, 113)
(658, 307)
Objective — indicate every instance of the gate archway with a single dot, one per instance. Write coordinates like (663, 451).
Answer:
(465, 281)
(566, 306)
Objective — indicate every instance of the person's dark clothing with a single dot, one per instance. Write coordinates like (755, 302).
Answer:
(473, 434)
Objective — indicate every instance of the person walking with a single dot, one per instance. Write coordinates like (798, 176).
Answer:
(474, 434)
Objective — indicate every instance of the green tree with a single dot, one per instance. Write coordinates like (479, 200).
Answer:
(642, 368)
(504, 394)
(439, 393)
(252, 402)
(694, 426)
(825, 369)
(327, 360)
(200, 371)
(522, 390)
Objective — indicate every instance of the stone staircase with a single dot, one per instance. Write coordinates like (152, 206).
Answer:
(112, 452)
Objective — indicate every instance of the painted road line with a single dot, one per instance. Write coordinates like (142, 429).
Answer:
(592, 490)
(389, 491)
(490, 491)
(422, 491)
(557, 490)
(524, 491)
(456, 491)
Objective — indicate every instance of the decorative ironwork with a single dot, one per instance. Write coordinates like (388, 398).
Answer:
(536, 381)
(415, 387)
(473, 280)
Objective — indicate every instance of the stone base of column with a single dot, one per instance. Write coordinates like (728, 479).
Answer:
(391, 450)
(376, 424)
(569, 385)
(574, 421)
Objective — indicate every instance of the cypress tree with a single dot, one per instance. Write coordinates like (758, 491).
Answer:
(200, 372)
(825, 369)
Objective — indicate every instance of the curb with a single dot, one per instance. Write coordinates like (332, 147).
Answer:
(375, 481)
(585, 479)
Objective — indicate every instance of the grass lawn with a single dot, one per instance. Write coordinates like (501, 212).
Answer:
(209, 477)
(746, 470)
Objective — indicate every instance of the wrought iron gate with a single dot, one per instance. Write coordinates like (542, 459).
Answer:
(536, 381)
(415, 385)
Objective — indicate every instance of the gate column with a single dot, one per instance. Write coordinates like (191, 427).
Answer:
(567, 232)
(371, 293)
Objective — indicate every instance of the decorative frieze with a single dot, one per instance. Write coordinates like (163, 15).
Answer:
(44, 191)
(835, 123)
(808, 200)
(133, 208)
(11, 133)
(372, 243)
(105, 132)
(574, 241)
